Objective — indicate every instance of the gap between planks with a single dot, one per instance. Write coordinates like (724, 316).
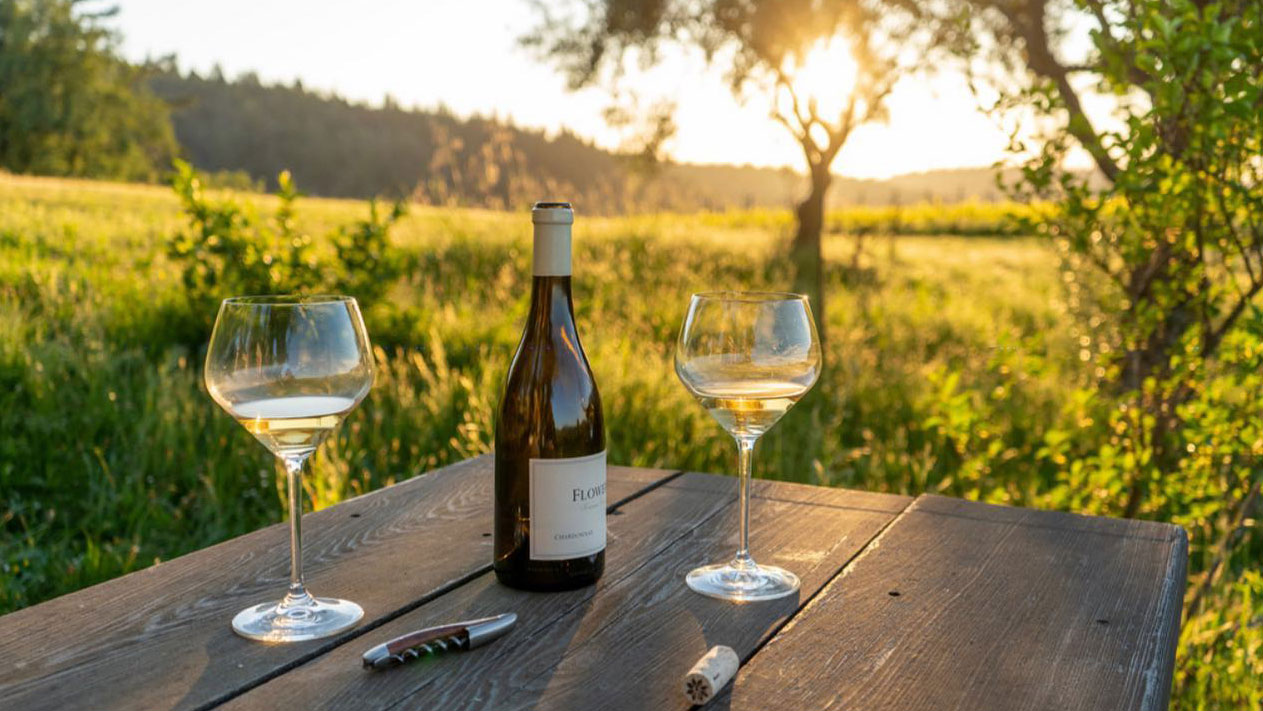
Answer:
(546, 626)
(872, 544)
(383, 619)
(1156, 677)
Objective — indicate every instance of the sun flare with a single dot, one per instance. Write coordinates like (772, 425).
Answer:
(826, 75)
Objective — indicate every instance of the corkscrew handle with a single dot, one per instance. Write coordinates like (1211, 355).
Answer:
(460, 636)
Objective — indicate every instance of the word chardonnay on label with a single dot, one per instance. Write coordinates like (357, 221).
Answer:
(550, 435)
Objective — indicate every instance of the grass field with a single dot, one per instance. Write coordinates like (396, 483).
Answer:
(114, 457)
(952, 366)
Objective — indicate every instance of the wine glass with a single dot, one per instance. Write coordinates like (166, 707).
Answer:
(289, 368)
(747, 357)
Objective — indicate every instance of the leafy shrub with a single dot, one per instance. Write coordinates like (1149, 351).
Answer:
(365, 262)
(227, 249)
(1220, 658)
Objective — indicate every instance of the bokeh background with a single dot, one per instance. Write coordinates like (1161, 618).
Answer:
(1032, 231)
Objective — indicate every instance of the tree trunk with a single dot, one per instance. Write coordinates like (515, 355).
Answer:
(805, 252)
(1154, 359)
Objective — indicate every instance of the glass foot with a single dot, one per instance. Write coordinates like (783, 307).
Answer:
(743, 583)
(296, 620)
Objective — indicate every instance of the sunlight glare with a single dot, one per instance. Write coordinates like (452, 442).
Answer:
(826, 75)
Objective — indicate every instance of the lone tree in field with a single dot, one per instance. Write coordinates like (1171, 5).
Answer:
(767, 44)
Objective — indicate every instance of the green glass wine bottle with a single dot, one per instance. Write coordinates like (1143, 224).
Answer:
(550, 435)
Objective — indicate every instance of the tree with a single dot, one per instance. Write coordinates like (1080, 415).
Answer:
(1176, 231)
(1163, 256)
(68, 104)
(766, 44)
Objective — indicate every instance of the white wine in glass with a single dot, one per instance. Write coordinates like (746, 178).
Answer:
(289, 369)
(293, 425)
(749, 407)
(747, 357)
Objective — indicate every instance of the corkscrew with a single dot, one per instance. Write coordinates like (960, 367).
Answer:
(461, 636)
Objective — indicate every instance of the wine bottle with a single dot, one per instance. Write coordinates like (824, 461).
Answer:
(550, 435)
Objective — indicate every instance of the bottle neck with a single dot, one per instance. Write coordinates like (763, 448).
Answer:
(551, 305)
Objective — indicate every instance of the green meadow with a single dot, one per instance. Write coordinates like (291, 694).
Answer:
(953, 365)
(114, 457)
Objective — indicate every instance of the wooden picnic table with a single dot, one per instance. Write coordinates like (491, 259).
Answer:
(925, 603)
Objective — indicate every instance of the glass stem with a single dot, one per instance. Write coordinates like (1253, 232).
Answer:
(745, 462)
(298, 594)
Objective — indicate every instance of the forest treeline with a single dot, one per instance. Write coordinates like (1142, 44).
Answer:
(335, 147)
(71, 105)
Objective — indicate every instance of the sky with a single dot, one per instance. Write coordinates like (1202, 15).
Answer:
(464, 54)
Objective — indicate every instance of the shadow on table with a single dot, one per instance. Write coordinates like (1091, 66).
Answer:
(738, 628)
(633, 639)
(633, 647)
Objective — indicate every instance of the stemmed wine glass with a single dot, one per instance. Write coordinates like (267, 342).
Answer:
(289, 368)
(747, 357)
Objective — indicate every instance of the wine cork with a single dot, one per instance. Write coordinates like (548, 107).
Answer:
(711, 674)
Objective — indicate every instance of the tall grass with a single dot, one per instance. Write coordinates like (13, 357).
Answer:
(952, 367)
(964, 219)
(113, 457)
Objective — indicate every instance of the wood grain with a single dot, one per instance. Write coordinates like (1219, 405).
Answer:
(160, 638)
(950, 605)
(961, 605)
(624, 643)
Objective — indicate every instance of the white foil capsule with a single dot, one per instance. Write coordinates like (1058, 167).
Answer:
(711, 674)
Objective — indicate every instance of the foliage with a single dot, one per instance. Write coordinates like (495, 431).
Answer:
(1221, 649)
(1163, 262)
(1178, 233)
(1168, 260)
(967, 218)
(68, 104)
(365, 263)
(228, 250)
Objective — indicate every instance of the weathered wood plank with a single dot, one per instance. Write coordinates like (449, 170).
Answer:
(160, 638)
(624, 643)
(960, 605)
(336, 679)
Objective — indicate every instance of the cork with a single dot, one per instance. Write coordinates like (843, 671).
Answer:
(711, 674)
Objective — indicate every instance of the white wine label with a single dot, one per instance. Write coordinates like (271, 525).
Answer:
(567, 507)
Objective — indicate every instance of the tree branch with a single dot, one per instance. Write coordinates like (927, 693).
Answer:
(1098, 9)
(1216, 336)
(801, 132)
(1236, 238)
(1222, 548)
(841, 132)
(1134, 73)
(1041, 61)
(782, 81)
(847, 121)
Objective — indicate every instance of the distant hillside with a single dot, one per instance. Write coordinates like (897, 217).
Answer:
(946, 186)
(340, 149)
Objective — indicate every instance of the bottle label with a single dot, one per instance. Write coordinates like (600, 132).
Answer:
(567, 507)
